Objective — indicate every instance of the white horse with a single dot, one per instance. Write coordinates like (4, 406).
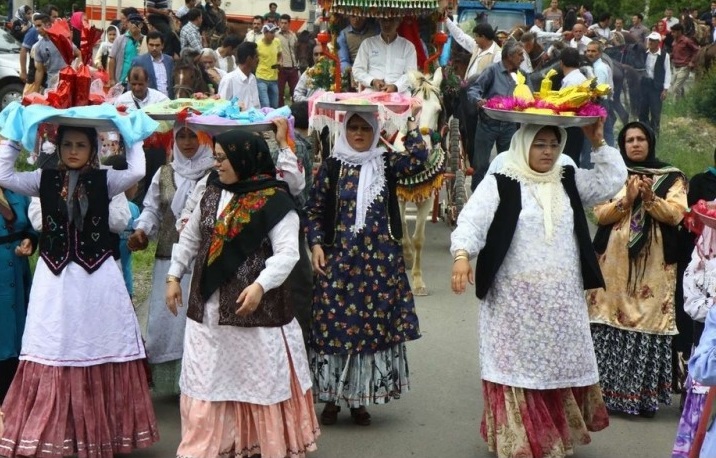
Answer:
(422, 188)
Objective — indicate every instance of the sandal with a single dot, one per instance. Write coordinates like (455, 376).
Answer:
(360, 416)
(329, 416)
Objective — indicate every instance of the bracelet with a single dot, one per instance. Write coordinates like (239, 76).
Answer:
(650, 203)
(459, 257)
(173, 279)
(620, 206)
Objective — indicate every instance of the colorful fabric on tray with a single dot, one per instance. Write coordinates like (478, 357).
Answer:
(20, 123)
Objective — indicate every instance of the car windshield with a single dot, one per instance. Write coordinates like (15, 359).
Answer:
(8, 43)
(500, 20)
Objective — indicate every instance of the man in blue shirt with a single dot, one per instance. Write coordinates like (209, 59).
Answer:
(351, 37)
(31, 37)
(495, 80)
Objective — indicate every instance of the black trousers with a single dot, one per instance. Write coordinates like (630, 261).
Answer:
(651, 103)
(8, 368)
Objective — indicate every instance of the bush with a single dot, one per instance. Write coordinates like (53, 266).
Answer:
(704, 96)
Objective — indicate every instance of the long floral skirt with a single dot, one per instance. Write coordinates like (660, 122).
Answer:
(288, 429)
(93, 412)
(360, 379)
(524, 423)
(635, 369)
(689, 422)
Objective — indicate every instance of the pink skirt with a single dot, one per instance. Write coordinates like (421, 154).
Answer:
(93, 412)
(239, 429)
(522, 423)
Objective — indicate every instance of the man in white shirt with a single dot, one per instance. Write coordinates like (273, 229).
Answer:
(254, 35)
(383, 61)
(603, 73)
(601, 28)
(241, 83)
(538, 30)
(140, 94)
(227, 51)
(483, 48)
(655, 83)
(569, 65)
(669, 18)
(579, 42)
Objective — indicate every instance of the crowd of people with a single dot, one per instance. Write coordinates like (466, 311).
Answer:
(299, 270)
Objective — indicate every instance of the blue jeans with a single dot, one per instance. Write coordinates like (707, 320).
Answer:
(487, 133)
(268, 93)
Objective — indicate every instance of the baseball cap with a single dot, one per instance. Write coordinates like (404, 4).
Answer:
(269, 28)
(654, 36)
(135, 17)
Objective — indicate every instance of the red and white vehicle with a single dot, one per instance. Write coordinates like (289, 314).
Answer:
(302, 12)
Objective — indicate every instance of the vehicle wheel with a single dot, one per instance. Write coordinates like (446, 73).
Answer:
(454, 146)
(10, 93)
(460, 193)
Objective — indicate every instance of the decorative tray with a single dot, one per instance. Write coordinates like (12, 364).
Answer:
(97, 123)
(215, 128)
(537, 118)
(360, 107)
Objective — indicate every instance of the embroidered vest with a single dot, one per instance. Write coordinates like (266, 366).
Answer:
(61, 243)
(275, 308)
(167, 234)
(504, 223)
(335, 170)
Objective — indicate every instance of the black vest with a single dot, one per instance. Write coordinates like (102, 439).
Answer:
(502, 229)
(395, 226)
(61, 243)
(659, 72)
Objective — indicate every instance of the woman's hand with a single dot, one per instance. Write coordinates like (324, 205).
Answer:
(416, 107)
(647, 194)
(173, 296)
(249, 299)
(137, 241)
(281, 131)
(318, 259)
(632, 190)
(24, 248)
(595, 132)
(461, 275)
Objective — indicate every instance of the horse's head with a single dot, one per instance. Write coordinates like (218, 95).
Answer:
(428, 90)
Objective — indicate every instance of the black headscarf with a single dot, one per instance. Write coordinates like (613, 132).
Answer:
(250, 157)
(664, 176)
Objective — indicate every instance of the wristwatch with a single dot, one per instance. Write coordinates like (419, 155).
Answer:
(602, 143)
(411, 119)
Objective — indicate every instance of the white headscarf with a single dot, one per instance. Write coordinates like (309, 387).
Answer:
(188, 171)
(547, 186)
(372, 167)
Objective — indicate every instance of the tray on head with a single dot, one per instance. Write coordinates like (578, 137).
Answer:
(538, 118)
(97, 123)
(215, 129)
(360, 107)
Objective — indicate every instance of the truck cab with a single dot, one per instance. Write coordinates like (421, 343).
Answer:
(501, 15)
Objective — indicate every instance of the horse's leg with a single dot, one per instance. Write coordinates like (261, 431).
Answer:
(424, 208)
(406, 242)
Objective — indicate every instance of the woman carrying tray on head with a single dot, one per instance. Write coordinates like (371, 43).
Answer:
(363, 308)
(167, 193)
(526, 226)
(81, 387)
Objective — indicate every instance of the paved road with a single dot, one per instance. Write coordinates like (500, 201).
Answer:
(440, 416)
